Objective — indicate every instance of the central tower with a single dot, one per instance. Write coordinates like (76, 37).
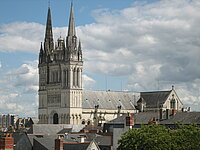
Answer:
(60, 77)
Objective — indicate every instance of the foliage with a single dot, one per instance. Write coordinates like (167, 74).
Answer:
(157, 137)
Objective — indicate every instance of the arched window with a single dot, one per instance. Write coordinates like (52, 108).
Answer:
(64, 77)
(67, 76)
(172, 104)
(55, 118)
(77, 77)
(88, 123)
(74, 77)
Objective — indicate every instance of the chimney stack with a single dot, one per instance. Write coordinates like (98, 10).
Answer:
(82, 138)
(173, 112)
(58, 143)
(129, 121)
(7, 142)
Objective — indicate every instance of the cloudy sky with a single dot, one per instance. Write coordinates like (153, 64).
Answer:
(133, 45)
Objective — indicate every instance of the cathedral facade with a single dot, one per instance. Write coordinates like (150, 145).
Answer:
(62, 99)
(60, 76)
(60, 83)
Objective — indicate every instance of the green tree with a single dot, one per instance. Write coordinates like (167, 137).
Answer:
(157, 137)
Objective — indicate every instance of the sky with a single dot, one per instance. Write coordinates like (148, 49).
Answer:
(129, 45)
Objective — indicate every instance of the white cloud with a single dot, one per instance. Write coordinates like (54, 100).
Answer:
(88, 82)
(162, 41)
(19, 90)
(154, 44)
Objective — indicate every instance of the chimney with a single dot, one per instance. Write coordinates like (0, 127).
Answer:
(129, 121)
(167, 113)
(58, 143)
(161, 114)
(81, 138)
(7, 142)
(173, 112)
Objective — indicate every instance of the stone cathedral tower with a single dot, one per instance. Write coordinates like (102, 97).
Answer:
(60, 77)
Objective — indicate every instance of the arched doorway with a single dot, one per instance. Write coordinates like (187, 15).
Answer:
(55, 118)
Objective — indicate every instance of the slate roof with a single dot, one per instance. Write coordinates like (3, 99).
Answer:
(48, 141)
(139, 118)
(104, 140)
(76, 146)
(109, 99)
(183, 118)
(91, 127)
(152, 99)
(53, 128)
(65, 130)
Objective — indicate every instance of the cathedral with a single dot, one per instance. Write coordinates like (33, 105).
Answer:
(62, 99)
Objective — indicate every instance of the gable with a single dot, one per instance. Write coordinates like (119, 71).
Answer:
(154, 99)
(173, 96)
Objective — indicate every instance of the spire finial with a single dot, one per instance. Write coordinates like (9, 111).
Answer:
(49, 45)
(41, 46)
(71, 27)
(172, 87)
(79, 44)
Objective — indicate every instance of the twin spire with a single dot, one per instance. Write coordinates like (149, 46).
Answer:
(71, 27)
(72, 50)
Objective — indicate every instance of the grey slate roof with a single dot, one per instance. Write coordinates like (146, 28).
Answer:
(76, 146)
(139, 118)
(152, 99)
(47, 141)
(104, 140)
(65, 130)
(183, 118)
(53, 128)
(91, 127)
(109, 99)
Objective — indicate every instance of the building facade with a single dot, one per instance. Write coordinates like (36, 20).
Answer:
(60, 76)
(62, 99)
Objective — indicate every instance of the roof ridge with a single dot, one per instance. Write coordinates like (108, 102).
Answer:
(156, 91)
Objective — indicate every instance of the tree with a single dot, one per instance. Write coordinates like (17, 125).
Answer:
(157, 137)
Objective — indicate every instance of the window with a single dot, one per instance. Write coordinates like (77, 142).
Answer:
(172, 104)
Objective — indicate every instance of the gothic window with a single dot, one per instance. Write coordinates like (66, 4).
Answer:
(55, 118)
(172, 104)
(67, 77)
(64, 77)
(56, 76)
(74, 77)
(77, 77)
(88, 123)
(53, 76)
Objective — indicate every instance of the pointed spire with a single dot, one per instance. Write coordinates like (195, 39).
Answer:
(41, 49)
(71, 27)
(79, 45)
(41, 54)
(49, 34)
(79, 51)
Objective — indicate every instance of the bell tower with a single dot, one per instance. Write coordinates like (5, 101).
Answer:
(60, 77)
